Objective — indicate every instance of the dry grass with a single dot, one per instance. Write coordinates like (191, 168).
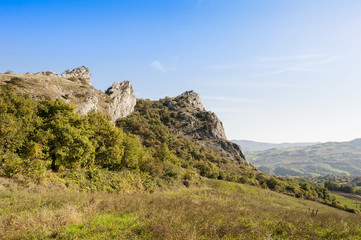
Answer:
(220, 210)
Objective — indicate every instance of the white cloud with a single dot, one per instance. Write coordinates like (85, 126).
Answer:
(163, 67)
(157, 65)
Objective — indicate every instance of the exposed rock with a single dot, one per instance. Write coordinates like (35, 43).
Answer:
(90, 103)
(187, 99)
(118, 102)
(123, 99)
(82, 73)
(194, 121)
(191, 99)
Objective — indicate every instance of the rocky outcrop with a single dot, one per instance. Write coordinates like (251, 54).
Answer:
(187, 99)
(192, 120)
(122, 98)
(79, 74)
(82, 73)
(74, 87)
(90, 102)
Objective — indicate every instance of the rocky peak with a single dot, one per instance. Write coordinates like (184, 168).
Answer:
(188, 99)
(192, 119)
(191, 99)
(123, 99)
(82, 73)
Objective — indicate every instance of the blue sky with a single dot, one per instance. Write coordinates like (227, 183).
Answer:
(272, 71)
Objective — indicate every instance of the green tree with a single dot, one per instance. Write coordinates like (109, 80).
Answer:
(17, 119)
(107, 139)
(133, 151)
(65, 134)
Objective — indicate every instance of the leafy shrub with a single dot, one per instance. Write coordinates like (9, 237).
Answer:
(11, 164)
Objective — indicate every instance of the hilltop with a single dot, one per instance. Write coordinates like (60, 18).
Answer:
(331, 158)
(253, 146)
(75, 87)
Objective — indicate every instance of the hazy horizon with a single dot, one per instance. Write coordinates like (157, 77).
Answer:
(272, 71)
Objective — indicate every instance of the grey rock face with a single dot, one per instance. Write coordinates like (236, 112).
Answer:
(118, 101)
(189, 99)
(192, 99)
(216, 129)
(123, 100)
(90, 103)
(192, 119)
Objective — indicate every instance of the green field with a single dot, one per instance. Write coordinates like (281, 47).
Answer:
(216, 210)
(349, 200)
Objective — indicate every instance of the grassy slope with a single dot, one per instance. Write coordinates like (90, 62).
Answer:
(331, 158)
(348, 199)
(218, 210)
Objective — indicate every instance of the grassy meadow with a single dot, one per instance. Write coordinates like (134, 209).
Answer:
(215, 210)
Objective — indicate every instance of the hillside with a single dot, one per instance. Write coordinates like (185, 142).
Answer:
(332, 158)
(60, 123)
(252, 146)
(215, 210)
(165, 160)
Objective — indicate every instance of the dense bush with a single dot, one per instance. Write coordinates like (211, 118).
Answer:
(49, 135)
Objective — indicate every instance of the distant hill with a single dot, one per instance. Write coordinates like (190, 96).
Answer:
(252, 146)
(331, 158)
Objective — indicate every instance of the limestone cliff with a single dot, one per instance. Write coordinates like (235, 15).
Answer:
(123, 99)
(74, 87)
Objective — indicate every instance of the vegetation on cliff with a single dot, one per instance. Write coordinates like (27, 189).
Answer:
(49, 154)
(46, 141)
